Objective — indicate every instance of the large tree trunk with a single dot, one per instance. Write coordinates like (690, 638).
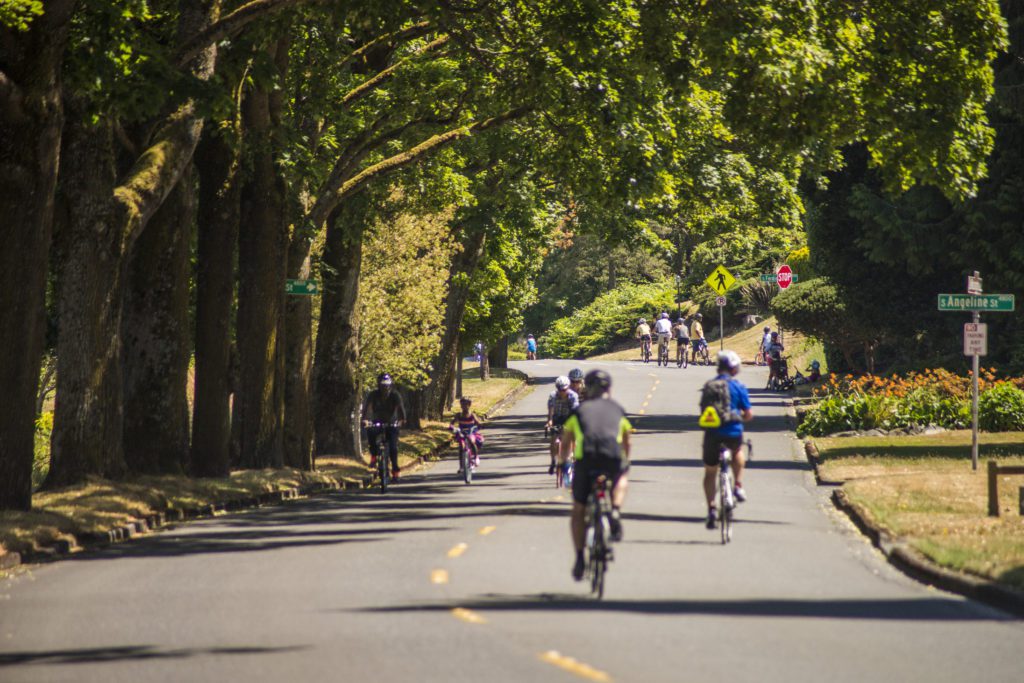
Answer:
(298, 393)
(497, 357)
(106, 222)
(88, 417)
(262, 262)
(335, 368)
(156, 339)
(442, 380)
(217, 163)
(31, 117)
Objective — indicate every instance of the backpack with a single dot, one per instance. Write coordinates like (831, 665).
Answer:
(715, 394)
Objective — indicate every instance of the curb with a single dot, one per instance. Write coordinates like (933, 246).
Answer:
(157, 521)
(911, 562)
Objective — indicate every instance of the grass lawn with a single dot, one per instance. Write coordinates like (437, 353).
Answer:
(100, 505)
(922, 488)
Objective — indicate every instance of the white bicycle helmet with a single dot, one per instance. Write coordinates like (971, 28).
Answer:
(562, 382)
(729, 359)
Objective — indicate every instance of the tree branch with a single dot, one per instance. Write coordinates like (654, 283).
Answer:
(231, 25)
(368, 85)
(432, 144)
(410, 32)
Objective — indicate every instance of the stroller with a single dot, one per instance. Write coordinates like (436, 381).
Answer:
(781, 381)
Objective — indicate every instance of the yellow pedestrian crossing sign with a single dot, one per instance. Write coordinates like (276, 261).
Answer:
(709, 418)
(720, 280)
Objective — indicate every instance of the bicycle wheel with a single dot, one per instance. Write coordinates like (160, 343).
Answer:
(382, 470)
(597, 556)
(725, 507)
(464, 462)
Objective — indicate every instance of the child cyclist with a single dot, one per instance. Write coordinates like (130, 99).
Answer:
(469, 424)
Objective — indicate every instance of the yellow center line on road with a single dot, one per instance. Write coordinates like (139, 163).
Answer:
(439, 577)
(468, 616)
(572, 666)
(457, 550)
(486, 531)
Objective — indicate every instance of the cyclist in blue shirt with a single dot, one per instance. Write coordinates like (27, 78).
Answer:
(531, 347)
(730, 434)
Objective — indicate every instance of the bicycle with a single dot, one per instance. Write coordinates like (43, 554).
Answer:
(663, 351)
(701, 352)
(467, 454)
(681, 354)
(726, 489)
(645, 351)
(598, 533)
(383, 473)
(564, 471)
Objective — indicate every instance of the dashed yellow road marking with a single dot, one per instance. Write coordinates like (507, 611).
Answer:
(439, 576)
(457, 550)
(468, 616)
(487, 530)
(644, 404)
(571, 665)
(640, 412)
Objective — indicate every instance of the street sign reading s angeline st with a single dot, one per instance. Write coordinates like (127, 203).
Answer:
(990, 303)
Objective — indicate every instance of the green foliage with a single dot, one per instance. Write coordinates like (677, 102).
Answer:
(610, 318)
(18, 14)
(1001, 408)
(859, 411)
(401, 296)
(800, 261)
(41, 462)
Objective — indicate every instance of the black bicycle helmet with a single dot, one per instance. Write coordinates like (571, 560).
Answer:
(575, 375)
(384, 380)
(597, 379)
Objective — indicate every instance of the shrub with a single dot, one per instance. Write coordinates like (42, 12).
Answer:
(41, 462)
(611, 317)
(1001, 409)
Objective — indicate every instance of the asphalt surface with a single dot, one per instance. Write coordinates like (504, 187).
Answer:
(439, 581)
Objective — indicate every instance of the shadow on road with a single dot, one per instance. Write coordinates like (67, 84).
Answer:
(925, 609)
(131, 653)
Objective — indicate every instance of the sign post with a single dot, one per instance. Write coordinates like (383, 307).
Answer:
(720, 280)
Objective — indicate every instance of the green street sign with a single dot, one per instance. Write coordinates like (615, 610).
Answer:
(306, 287)
(985, 303)
(772, 277)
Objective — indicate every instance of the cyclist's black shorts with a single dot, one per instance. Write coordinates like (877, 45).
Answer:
(588, 470)
(713, 442)
(682, 341)
(645, 337)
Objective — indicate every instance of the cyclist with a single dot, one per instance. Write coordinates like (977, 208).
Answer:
(663, 328)
(697, 336)
(598, 436)
(729, 434)
(531, 347)
(561, 403)
(682, 335)
(774, 354)
(766, 341)
(643, 333)
(469, 424)
(576, 382)
(384, 405)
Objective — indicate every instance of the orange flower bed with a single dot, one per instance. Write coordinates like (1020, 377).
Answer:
(945, 383)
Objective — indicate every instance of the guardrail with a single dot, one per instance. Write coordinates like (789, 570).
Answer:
(994, 470)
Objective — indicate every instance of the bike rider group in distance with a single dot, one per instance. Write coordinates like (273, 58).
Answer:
(691, 345)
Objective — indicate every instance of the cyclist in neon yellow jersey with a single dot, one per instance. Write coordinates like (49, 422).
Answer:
(598, 434)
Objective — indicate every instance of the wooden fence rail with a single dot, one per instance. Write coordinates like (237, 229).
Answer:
(994, 470)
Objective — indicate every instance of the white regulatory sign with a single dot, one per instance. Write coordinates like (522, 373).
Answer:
(973, 285)
(720, 301)
(975, 339)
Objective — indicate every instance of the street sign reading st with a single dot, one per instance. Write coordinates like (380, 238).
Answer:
(304, 287)
(985, 303)
(774, 277)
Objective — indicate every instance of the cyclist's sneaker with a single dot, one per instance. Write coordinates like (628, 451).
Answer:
(712, 521)
(615, 523)
(394, 474)
(476, 461)
(551, 469)
(373, 462)
(578, 567)
(741, 495)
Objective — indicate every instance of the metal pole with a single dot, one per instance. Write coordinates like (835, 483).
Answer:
(976, 317)
(721, 328)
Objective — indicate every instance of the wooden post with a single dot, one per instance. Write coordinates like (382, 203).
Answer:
(993, 489)
(1021, 499)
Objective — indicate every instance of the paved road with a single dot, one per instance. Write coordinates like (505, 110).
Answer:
(438, 581)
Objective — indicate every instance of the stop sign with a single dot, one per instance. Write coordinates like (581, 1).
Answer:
(785, 276)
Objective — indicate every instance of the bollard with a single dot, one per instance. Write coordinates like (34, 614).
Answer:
(1022, 501)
